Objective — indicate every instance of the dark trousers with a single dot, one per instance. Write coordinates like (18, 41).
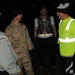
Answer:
(68, 65)
(46, 45)
(3, 73)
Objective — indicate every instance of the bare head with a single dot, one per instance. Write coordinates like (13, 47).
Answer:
(43, 11)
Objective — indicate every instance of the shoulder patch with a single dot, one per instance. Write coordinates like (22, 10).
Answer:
(7, 30)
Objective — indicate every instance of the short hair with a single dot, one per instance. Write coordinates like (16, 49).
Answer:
(43, 7)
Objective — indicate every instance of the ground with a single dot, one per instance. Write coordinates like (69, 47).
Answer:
(47, 69)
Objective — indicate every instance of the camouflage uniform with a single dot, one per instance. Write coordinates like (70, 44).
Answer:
(19, 37)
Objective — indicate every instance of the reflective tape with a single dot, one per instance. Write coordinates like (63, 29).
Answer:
(67, 40)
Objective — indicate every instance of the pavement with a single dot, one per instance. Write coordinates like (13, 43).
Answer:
(47, 69)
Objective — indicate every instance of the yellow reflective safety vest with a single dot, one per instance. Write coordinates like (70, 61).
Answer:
(67, 37)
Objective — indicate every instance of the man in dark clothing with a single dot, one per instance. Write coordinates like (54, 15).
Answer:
(45, 33)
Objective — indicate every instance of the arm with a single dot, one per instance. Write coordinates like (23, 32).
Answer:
(7, 60)
(28, 39)
(54, 30)
(35, 32)
(35, 27)
(53, 26)
(8, 33)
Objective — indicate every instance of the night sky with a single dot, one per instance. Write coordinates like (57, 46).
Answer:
(30, 10)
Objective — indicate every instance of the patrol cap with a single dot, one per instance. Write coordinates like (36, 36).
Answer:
(63, 7)
(15, 12)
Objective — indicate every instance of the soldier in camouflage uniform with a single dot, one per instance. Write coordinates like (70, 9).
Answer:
(19, 37)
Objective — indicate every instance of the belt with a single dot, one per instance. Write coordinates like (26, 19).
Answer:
(50, 34)
(45, 35)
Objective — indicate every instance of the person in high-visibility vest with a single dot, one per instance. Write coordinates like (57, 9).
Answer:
(66, 38)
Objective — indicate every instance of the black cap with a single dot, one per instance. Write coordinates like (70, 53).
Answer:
(15, 12)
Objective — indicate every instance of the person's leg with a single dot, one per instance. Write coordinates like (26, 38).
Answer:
(51, 51)
(67, 65)
(21, 66)
(74, 63)
(51, 58)
(27, 64)
(41, 48)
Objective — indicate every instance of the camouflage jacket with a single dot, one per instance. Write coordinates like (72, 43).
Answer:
(19, 37)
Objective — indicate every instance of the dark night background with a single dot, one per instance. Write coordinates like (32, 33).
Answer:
(30, 10)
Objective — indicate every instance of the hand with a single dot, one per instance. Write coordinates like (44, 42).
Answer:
(55, 35)
(35, 41)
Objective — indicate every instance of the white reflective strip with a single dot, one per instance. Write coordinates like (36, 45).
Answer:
(68, 25)
(67, 40)
(69, 67)
(60, 22)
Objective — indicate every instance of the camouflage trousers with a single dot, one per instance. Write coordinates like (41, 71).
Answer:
(26, 63)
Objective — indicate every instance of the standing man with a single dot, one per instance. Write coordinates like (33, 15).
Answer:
(8, 58)
(45, 33)
(66, 39)
(19, 37)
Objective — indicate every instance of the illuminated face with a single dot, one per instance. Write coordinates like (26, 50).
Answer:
(60, 15)
(19, 17)
(43, 11)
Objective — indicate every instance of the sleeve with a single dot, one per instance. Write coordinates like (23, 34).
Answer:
(36, 22)
(7, 59)
(29, 41)
(9, 34)
(52, 20)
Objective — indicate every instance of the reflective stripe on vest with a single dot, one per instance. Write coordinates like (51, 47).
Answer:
(67, 39)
